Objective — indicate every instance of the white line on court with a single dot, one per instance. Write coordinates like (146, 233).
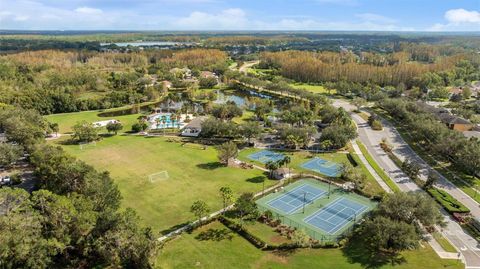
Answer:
(325, 209)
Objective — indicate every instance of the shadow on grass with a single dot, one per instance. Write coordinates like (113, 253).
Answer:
(284, 252)
(210, 166)
(215, 235)
(173, 228)
(257, 179)
(357, 251)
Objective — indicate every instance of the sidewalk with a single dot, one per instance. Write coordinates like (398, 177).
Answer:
(370, 169)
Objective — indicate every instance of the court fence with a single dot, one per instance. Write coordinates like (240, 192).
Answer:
(322, 238)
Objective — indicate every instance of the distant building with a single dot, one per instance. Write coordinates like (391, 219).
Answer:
(208, 74)
(454, 122)
(194, 127)
(442, 114)
(166, 85)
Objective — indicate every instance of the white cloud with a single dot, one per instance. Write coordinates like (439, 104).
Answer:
(458, 20)
(89, 10)
(462, 16)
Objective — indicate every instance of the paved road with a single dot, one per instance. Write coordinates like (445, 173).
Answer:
(467, 245)
(246, 65)
(403, 151)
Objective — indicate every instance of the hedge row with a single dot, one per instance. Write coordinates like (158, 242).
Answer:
(450, 204)
(353, 160)
(257, 242)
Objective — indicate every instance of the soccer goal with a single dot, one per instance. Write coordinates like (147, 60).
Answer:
(86, 145)
(160, 176)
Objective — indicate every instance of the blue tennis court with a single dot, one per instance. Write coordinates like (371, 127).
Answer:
(294, 199)
(336, 215)
(330, 169)
(265, 156)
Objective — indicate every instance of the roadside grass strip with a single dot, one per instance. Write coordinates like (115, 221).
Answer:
(265, 156)
(319, 165)
(293, 200)
(336, 215)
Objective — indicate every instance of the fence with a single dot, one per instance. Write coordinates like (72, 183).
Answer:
(316, 235)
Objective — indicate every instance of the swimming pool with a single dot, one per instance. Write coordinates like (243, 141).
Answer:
(165, 120)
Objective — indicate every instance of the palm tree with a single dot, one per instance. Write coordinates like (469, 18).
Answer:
(286, 161)
(157, 121)
(271, 166)
(173, 119)
(164, 121)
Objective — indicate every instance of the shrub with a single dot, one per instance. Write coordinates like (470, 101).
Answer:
(257, 242)
(377, 125)
(450, 204)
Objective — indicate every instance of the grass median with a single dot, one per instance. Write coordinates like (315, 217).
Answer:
(377, 168)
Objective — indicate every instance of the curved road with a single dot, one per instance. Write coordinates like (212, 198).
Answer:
(466, 244)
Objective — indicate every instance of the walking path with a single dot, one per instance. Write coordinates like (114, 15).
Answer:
(370, 169)
(463, 242)
(216, 213)
(403, 151)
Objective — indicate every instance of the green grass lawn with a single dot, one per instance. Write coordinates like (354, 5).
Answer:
(193, 174)
(312, 88)
(299, 158)
(377, 168)
(331, 194)
(444, 243)
(67, 120)
(467, 183)
(266, 233)
(246, 116)
(187, 251)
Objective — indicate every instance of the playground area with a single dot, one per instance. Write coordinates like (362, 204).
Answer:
(322, 210)
(327, 168)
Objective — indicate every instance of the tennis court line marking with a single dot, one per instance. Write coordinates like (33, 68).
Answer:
(341, 224)
(322, 166)
(295, 199)
(315, 197)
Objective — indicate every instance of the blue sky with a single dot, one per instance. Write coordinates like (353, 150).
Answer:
(380, 15)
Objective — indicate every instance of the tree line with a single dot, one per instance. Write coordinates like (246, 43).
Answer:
(74, 219)
(411, 66)
(55, 81)
(434, 136)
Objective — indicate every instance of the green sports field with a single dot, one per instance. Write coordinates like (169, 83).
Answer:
(194, 173)
(190, 250)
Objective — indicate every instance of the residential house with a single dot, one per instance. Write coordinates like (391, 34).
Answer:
(455, 123)
(194, 127)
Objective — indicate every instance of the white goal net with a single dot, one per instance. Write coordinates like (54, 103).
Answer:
(160, 176)
(86, 145)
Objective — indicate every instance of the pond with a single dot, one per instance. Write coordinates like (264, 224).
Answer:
(178, 101)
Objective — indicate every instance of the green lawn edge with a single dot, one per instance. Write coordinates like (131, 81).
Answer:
(377, 168)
